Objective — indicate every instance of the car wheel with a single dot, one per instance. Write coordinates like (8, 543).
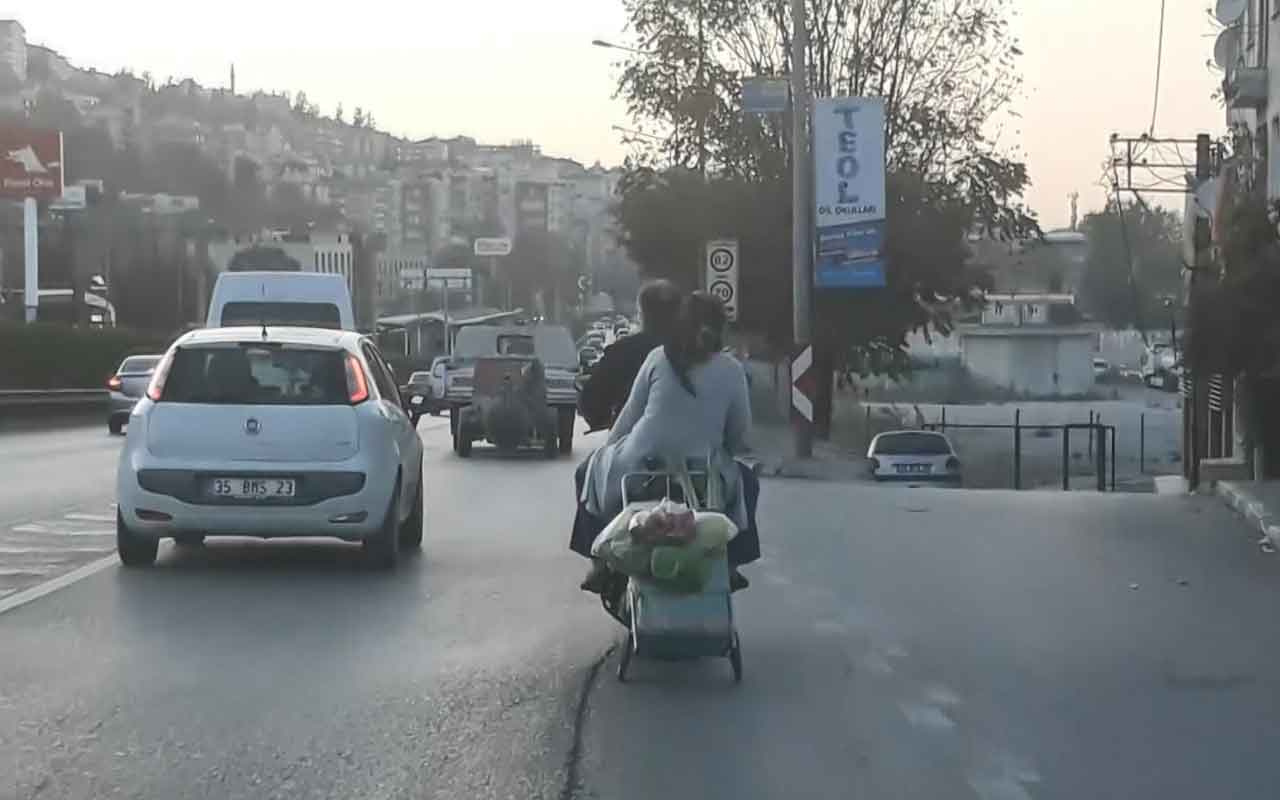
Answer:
(189, 540)
(411, 531)
(134, 550)
(383, 550)
(115, 425)
(549, 447)
(565, 433)
(461, 442)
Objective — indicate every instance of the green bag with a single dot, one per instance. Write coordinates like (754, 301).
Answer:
(684, 569)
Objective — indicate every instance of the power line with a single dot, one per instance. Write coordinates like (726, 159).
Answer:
(1155, 102)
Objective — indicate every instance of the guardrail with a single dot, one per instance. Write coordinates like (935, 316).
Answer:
(35, 401)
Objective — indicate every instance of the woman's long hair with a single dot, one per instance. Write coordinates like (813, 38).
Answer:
(698, 334)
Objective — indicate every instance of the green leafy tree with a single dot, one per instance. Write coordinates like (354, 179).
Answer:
(1115, 293)
(944, 74)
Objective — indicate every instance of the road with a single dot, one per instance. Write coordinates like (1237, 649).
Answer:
(898, 644)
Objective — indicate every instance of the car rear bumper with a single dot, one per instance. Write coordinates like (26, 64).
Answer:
(346, 501)
(948, 479)
(160, 516)
(121, 405)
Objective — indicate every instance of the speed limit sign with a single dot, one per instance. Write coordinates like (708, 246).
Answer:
(722, 274)
(723, 290)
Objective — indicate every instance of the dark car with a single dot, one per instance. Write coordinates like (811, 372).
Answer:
(128, 386)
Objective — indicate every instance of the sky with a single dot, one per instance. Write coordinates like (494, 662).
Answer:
(502, 70)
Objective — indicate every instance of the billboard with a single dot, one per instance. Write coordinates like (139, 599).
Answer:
(30, 163)
(532, 213)
(849, 192)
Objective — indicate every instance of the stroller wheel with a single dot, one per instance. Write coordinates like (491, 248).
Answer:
(624, 658)
(735, 658)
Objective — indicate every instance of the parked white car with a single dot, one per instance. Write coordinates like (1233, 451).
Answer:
(271, 432)
(913, 456)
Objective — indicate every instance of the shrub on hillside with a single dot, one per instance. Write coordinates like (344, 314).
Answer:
(45, 356)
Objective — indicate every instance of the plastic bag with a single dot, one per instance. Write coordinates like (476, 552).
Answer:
(683, 569)
(669, 523)
(615, 547)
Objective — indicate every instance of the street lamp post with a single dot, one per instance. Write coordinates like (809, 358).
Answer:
(675, 111)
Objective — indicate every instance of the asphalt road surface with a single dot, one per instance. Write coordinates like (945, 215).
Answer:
(898, 643)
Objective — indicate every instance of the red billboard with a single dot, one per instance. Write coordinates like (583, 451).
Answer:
(30, 163)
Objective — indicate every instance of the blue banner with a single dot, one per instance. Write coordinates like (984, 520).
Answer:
(849, 193)
(850, 256)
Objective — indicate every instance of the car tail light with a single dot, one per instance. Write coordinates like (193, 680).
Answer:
(953, 464)
(114, 383)
(156, 388)
(357, 384)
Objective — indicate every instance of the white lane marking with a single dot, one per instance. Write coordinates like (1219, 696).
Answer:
(78, 517)
(44, 530)
(877, 664)
(940, 695)
(1001, 788)
(926, 716)
(22, 551)
(49, 587)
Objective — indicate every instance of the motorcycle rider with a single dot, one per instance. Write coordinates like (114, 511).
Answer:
(688, 396)
(606, 391)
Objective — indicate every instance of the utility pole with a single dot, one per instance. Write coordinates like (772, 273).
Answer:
(702, 94)
(1169, 173)
(1195, 409)
(801, 274)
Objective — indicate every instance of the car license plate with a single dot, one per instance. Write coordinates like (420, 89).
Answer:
(252, 488)
(912, 469)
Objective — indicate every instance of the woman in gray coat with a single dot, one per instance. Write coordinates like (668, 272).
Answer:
(689, 399)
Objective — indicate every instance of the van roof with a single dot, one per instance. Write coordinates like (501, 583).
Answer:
(321, 337)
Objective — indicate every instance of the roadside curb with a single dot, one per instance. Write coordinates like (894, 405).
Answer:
(828, 464)
(1254, 511)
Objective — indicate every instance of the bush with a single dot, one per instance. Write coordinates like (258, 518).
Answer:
(45, 356)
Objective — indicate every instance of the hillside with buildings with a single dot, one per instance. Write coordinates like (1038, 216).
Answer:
(241, 168)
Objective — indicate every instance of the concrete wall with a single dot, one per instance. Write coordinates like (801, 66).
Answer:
(1058, 364)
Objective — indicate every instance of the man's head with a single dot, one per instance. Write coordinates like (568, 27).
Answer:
(659, 303)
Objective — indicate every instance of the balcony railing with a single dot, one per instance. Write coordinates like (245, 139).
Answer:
(1245, 87)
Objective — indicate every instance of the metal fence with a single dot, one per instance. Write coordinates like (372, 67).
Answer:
(1058, 445)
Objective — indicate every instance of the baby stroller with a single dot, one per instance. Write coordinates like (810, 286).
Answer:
(665, 625)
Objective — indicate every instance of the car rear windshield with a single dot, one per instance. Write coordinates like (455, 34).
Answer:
(301, 315)
(255, 374)
(912, 444)
(515, 346)
(138, 365)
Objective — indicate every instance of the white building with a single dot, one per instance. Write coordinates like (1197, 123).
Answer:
(13, 48)
(330, 253)
(1023, 346)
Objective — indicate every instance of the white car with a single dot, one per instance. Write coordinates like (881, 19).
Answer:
(913, 456)
(1101, 369)
(271, 433)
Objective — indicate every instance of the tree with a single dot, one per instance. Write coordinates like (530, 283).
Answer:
(944, 74)
(337, 114)
(1149, 239)
(542, 265)
(357, 119)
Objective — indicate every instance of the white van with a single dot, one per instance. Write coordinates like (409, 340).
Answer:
(296, 299)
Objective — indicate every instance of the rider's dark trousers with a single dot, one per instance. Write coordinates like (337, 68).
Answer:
(743, 549)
